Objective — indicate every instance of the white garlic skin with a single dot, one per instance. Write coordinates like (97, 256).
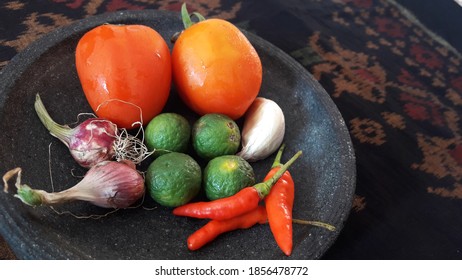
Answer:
(263, 131)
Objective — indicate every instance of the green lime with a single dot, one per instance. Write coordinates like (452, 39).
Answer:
(226, 175)
(173, 179)
(215, 135)
(168, 131)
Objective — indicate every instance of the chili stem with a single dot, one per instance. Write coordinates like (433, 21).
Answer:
(277, 160)
(314, 223)
(265, 187)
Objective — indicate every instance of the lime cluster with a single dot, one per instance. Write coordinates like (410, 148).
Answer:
(175, 177)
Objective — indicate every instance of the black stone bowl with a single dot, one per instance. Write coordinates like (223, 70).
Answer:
(324, 176)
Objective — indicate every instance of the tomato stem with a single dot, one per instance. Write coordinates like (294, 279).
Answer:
(186, 17)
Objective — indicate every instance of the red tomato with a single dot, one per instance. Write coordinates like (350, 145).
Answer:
(124, 69)
(216, 69)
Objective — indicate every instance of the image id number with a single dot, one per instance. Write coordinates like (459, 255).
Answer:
(278, 270)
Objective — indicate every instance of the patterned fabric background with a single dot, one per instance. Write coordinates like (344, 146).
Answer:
(397, 85)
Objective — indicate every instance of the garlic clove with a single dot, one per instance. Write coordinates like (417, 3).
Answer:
(263, 131)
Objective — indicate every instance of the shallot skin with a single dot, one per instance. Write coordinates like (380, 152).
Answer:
(92, 142)
(108, 184)
(112, 184)
(89, 143)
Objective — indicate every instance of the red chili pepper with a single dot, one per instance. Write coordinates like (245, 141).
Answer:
(214, 228)
(224, 208)
(279, 204)
(245, 200)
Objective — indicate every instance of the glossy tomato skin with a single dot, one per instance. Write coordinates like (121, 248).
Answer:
(216, 69)
(124, 69)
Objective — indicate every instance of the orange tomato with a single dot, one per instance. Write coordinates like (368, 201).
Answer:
(216, 69)
(125, 72)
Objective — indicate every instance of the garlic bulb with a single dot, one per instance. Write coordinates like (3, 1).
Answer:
(264, 128)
